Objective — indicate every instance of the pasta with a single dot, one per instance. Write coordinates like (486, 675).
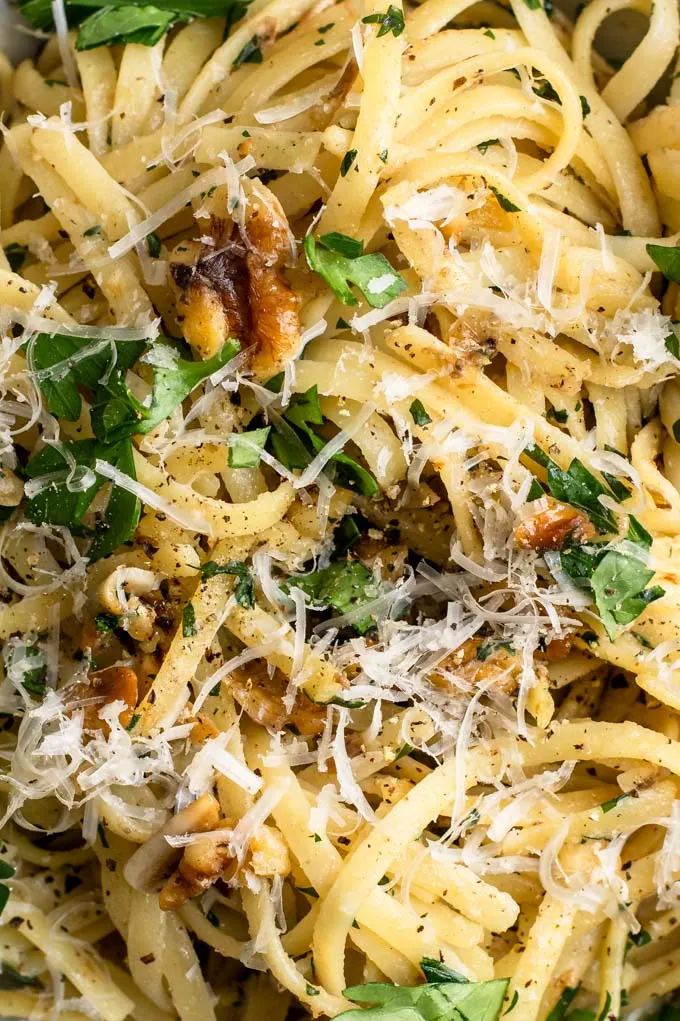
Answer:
(340, 512)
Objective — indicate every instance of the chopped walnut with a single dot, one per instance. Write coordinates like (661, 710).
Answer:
(113, 684)
(551, 525)
(498, 663)
(261, 697)
(202, 864)
(269, 853)
(558, 649)
(236, 288)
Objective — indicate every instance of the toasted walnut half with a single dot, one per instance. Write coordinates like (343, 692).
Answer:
(261, 696)
(113, 684)
(201, 865)
(235, 287)
(551, 525)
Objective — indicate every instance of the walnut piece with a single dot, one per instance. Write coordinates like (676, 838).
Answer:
(235, 288)
(551, 525)
(113, 684)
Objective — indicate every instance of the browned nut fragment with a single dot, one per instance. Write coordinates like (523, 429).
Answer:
(202, 864)
(113, 684)
(269, 853)
(551, 525)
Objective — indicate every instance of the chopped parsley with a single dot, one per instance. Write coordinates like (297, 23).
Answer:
(391, 21)
(189, 628)
(371, 274)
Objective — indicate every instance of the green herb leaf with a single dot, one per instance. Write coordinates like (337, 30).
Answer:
(391, 21)
(116, 414)
(346, 534)
(343, 586)
(4, 896)
(435, 971)
(63, 363)
(244, 592)
(536, 491)
(29, 663)
(110, 25)
(585, 106)
(580, 488)
(483, 146)
(504, 202)
(16, 256)
(641, 938)
(6, 870)
(189, 628)
(607, 806)
(668, 261)
(296, 447)
(92, 231)
(534, 5)
(488, 648)
(418, 413)
(153, 244)
(343, 244)
(105, 622)
(434, 1001)
(57, 505)
(245, 449)
(250, 54)
(513, 1002)
(372, 274)
(10, 978)
(562, 1005)
(618, 584)
(347, 161)
(673, 345)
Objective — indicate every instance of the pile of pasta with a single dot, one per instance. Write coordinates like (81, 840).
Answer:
(340, 489)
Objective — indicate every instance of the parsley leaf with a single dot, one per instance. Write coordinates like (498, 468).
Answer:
(153, 245)
(667, 259)
(418, 413)
(504, 202)
(6, 872)
(105, 622)
(295, 447)
(618, 583)
(81, 363)
(127, 21)
(343, 243)
(10, 978)
(189, 628)
(578, 487)
(33, 678)
(562, 1005)
(372, 274)
(116, 414)
(435, 1001)
(435, 971)
(250, 54)
(347, 161)
(146, 25)
(391, 21)
(245, 449)
(607, 806)
(244, 591)
(57, 505)
(343, 586)
(16, 255)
